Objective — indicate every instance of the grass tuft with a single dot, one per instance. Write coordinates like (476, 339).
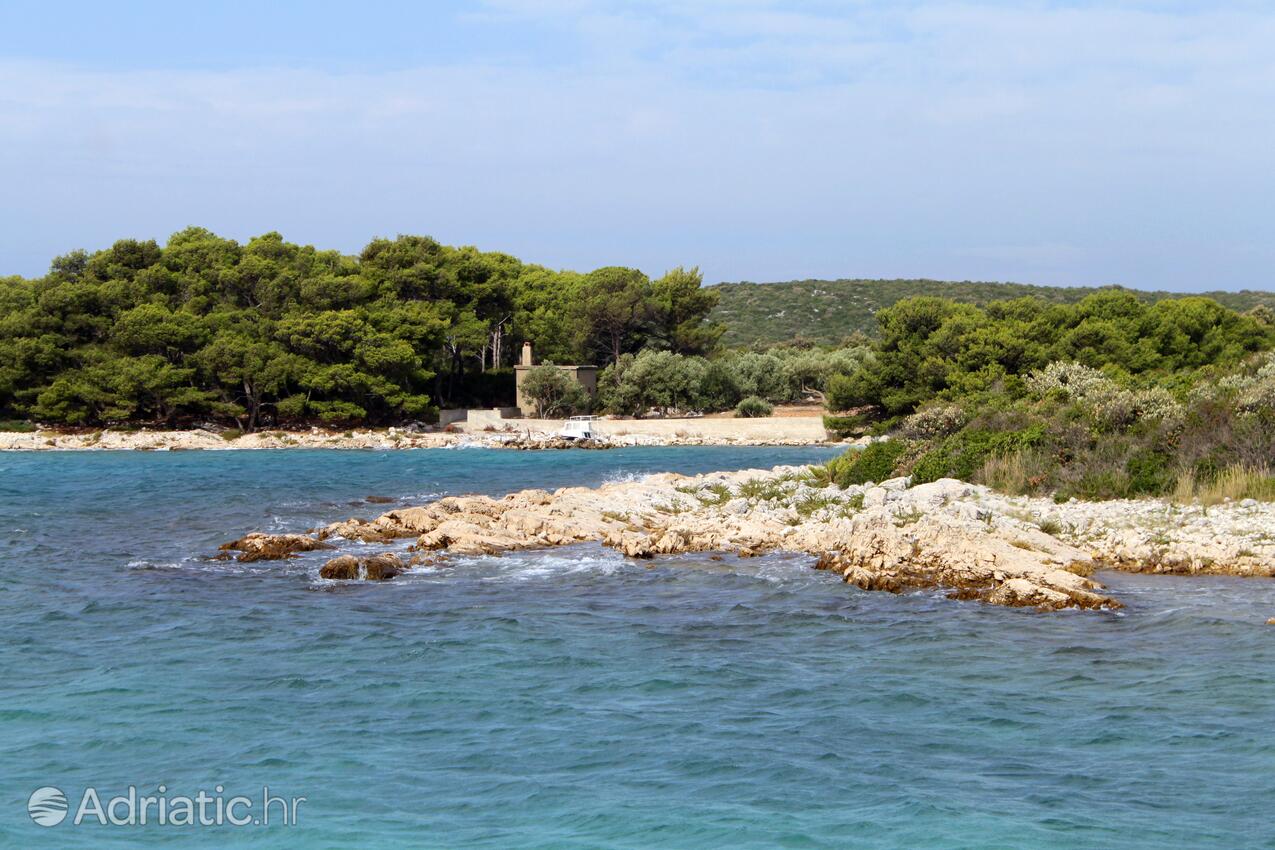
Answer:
(1231, 484)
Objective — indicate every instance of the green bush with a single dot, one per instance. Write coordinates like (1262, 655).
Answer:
(16, 426)
(964, 453)
(1100, 484)
(875, 463)
(842, 427)
(718, 390)
(753, 407)
(1149, 472)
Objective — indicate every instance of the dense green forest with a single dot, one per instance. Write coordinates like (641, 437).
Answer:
(270, 332)
(827, 312)
(1109, 397)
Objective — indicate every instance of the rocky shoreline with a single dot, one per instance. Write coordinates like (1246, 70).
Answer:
(364, 439)
(966, 539)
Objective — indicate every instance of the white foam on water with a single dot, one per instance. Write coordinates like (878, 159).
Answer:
(200, 564)
(153, 565)
(786, 570)
(625, 477)
(546, 563)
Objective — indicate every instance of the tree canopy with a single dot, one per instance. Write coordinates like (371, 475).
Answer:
(270, 332)
(933, 347)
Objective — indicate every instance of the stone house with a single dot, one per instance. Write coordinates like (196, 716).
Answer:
(585, 376)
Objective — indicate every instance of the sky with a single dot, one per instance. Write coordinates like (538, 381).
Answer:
(1076, 143)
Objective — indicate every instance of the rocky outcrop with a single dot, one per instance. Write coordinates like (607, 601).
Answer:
(272, 547)
(381, 567)
(342, 567)
(975, 543)
(890, 537)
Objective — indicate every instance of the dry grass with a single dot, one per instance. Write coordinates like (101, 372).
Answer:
(1018, 473)
(1007, 473)
(1233, 483)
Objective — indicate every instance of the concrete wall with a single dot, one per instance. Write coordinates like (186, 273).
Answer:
(449, 415)
(495, 417)
(808, 428)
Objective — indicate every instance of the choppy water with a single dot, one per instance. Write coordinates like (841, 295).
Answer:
(572, 699)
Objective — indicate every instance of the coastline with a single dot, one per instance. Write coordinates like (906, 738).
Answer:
(509, 434)
(964, 539)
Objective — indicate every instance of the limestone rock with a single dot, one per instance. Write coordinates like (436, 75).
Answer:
(272, 547)
(341, 567)
(381, 567)
(967, 539)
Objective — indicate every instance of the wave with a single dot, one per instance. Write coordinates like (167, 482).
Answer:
(625, 477)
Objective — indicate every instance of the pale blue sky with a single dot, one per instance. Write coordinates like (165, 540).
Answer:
(1048, 142)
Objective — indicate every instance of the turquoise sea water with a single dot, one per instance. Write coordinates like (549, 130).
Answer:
(570, 698)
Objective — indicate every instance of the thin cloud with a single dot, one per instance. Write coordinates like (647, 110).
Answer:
(758, 140)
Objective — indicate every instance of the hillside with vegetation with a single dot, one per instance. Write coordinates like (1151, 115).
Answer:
(1110, 397)
(829, 312)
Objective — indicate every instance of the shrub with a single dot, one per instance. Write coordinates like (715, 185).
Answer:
(1099, 484)
(15, 426)
(1256, 392)
(861, 388)
(231, 434)
(931, 422)
(1149, 473)
(819, 475)
(875, 463)
(752, 407)
(760, 375)
(842, 427)
(718, 390)
(1108, 405)
(1070, 380)
(964, 453)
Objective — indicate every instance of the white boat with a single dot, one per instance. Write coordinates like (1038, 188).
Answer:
(578, 428)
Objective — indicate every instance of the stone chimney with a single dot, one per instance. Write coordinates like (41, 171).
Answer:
(526, 354)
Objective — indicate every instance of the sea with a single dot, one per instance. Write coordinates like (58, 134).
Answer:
(571, 698)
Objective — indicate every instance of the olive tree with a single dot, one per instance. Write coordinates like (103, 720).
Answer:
(554, 392)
